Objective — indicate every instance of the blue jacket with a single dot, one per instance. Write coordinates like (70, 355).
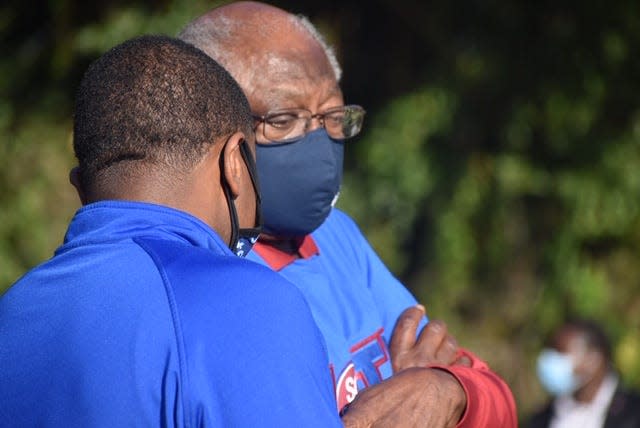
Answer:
(145, 318)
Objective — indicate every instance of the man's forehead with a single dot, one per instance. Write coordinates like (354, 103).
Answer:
(300, 93)
(569, 339)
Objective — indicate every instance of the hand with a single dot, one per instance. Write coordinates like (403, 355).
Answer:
(416, 397)
(434, 346)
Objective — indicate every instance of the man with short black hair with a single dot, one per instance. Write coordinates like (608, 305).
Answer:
(576, 369)
(145, 316)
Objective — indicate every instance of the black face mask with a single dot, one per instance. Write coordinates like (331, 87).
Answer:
(242, 239)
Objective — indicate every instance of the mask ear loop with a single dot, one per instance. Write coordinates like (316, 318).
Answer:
(253, 174)
(232, 206)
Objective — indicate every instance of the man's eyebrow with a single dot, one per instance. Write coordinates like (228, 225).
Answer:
(288, 97)
(279, 99)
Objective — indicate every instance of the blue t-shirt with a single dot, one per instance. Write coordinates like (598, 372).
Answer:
(354, 299)
(145, 318)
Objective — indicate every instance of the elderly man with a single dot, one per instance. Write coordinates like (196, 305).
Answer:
(145, 316)
(368, 319)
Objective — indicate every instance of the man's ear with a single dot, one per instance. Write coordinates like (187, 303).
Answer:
(233, 163)
(74, 179)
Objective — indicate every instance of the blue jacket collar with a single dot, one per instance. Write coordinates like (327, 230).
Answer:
(111, 221)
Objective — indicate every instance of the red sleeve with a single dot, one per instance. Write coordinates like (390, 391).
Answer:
(490, 403)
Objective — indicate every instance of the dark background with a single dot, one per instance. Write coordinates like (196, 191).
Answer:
(497, 174)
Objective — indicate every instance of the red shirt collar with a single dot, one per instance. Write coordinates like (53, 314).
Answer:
(278, 259)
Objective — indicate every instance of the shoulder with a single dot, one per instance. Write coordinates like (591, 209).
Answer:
(240, 324)
(201, 279)
(340, 226)
(632, 394)
(201, 267)
(225, 296)
(541, 417)
(623, 409)
(339, 217)
(625, 401)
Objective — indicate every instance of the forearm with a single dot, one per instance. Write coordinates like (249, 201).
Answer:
(416, 397)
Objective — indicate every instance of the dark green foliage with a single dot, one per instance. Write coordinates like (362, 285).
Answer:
(498, 172)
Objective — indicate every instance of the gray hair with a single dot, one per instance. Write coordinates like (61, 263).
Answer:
(303, 22)
(214, 40)
(211, 38)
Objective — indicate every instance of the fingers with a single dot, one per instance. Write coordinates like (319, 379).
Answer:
(433, 346)
(403, 337)
(464, 361)
(436, 345)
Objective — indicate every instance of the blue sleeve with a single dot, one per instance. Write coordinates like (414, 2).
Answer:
(390, 295)
(252, 353)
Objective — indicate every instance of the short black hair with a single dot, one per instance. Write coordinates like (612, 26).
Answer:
(154, 100)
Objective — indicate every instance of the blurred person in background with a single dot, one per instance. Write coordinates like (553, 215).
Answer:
(374, 329)
(577, 370)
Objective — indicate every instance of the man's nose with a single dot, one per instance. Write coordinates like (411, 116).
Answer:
(315, 122)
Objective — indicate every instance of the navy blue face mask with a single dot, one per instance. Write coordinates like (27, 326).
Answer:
(242, 239)
(300, 182)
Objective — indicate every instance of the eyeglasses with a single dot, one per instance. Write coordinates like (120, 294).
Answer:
(340, 122)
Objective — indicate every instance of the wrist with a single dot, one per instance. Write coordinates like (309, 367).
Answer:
(455, 390)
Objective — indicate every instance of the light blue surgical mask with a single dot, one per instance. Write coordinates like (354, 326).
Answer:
(556, 373)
